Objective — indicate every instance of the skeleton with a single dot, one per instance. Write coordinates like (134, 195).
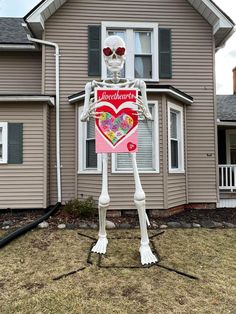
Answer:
(114, 55)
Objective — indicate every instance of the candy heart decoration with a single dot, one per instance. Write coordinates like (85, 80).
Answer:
(131, 146)
(116, 126)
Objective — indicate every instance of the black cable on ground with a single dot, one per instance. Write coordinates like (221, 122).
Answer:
(87, 236)
(177, 271)
(156, 235)
(99, 260)
(90, 254)
(68, 274)
(8, 238)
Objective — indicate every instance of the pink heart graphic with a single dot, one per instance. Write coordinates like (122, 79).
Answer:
(116, 126)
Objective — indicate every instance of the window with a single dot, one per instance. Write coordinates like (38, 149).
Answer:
(89, 161)
(175, 138)
(3, 142)
(141, 41)
(147, 155)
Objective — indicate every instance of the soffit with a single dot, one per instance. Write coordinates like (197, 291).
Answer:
(37, 17)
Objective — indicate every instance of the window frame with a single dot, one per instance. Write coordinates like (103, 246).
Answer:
(130, 28)
(4, 126)
(155, 152)
(82, 137)
(180, 137)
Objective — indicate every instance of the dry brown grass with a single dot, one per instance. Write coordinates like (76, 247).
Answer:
(29, 264)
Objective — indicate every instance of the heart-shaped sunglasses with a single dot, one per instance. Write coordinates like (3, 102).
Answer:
(120, 51)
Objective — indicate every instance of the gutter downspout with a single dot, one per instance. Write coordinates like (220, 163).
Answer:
(57, 63)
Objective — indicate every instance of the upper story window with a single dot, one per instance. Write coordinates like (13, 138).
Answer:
(3, 142)
(175, 138)
(141, 41)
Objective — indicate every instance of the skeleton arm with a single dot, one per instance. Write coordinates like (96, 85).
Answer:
(85, 114)
(142, 102)
(89, 103)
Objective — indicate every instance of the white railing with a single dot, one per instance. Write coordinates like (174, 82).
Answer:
(227, 177)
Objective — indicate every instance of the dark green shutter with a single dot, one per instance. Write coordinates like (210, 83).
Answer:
(15, 143)
(94, 50)
(165, 66)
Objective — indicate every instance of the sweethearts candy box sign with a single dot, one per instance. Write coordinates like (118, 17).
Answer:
(117, 122)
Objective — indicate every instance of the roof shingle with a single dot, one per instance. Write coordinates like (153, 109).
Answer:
(226, 107)
(12, 31)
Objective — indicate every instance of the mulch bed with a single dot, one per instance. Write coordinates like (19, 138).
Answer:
(18, 219)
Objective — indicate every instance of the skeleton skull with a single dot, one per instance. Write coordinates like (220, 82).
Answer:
(114, 53)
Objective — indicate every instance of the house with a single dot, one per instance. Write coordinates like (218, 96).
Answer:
(47, 154)
(226, 125)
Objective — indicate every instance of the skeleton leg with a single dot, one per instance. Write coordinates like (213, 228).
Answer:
(103, 204)
(147, 257)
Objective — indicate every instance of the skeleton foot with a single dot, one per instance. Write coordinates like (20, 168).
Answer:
(101, 245)
(147, 257)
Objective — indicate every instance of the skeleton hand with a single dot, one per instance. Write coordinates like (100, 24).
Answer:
(91, 112)
(142, 109)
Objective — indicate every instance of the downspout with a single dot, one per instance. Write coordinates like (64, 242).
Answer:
(57, 62)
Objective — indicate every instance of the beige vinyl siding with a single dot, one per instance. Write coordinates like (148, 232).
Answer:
(22, 185)
(192, 57)
(20, 72)
(176, 190)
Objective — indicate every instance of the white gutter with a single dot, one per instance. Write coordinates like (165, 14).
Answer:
(8, 98)
(17, 47)
(58, 152)
(226, 123)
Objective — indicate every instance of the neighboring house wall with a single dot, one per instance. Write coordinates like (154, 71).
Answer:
(20, 72)
(192, 56)
(24, 185)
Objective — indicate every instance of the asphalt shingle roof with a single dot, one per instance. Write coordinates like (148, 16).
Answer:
(12, 32)
(226, 107)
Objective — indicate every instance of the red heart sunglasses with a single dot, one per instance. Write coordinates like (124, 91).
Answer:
(120, 51)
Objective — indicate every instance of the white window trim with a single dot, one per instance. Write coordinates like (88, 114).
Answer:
(82, 130)
(130, 54)
(180, 126)
(4, 158)
(156, 159)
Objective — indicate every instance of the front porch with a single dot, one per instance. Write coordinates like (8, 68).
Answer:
(227, 166)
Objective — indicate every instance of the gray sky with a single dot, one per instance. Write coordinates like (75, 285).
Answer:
(225, 58)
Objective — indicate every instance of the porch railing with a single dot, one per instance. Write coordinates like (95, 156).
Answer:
(227, 177)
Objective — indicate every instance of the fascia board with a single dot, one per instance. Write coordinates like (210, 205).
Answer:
(16, 98)
(38, 17)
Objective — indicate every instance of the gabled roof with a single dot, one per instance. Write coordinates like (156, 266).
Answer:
(221, 23)
(14, 35)
(40, 13)
(13, 32)
(226, 107)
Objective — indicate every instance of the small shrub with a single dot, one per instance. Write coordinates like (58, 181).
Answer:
(81, 208)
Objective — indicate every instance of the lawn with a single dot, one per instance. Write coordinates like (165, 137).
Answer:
(30, 263)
